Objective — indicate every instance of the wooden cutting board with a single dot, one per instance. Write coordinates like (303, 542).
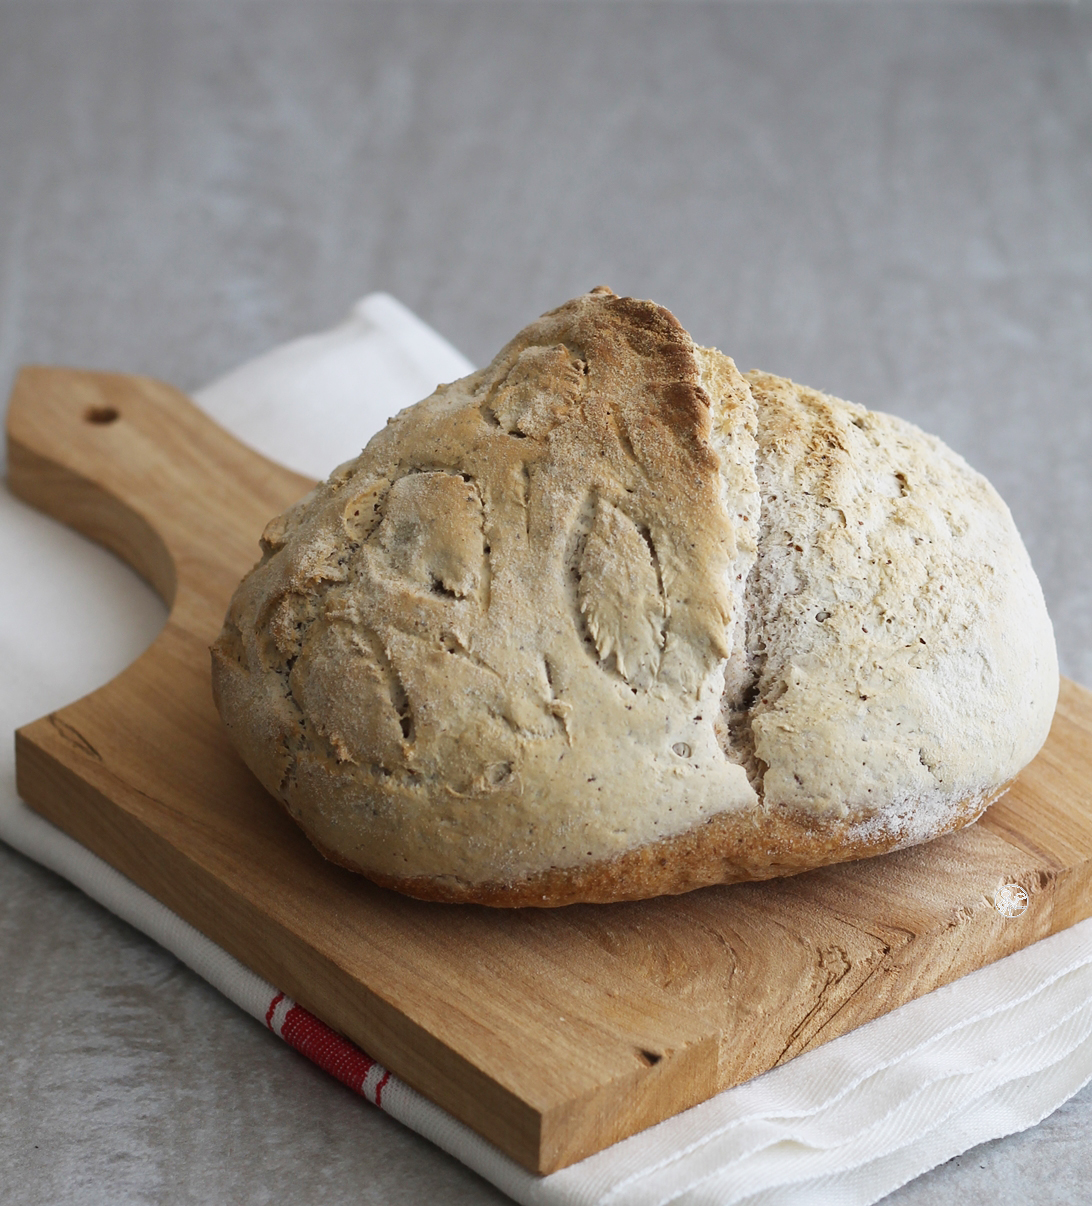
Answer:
(553, 1033)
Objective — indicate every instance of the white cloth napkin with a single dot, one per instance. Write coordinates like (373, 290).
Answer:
(847, 1123)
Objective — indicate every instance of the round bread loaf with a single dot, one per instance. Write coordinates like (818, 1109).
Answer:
(608, 620)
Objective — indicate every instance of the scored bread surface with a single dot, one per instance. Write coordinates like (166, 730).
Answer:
(608, 619)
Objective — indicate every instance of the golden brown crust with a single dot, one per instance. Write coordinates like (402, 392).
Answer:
(726, 849)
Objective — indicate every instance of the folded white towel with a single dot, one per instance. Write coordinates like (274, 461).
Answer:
(847, 1123)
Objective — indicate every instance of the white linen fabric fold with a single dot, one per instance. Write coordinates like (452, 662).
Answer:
(991, 1054)
(316, 401)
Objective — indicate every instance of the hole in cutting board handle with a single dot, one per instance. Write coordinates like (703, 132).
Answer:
(101, 415)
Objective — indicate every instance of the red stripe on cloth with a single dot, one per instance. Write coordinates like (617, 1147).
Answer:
(379, 1088)
(325, 1047)
(272, 1009)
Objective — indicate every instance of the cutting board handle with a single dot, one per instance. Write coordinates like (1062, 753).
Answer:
(135, 465)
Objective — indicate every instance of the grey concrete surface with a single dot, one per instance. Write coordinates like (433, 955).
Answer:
(892, 202)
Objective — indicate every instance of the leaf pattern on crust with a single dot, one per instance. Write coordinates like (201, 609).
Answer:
(538, 390)
(432, 533)
(620, 596)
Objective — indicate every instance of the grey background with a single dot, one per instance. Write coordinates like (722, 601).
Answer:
(892, 202)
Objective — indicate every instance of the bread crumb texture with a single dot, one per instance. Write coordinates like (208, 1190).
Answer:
(608, 619)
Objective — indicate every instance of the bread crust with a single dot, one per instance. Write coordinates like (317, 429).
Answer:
(609, 620)
(726, 849)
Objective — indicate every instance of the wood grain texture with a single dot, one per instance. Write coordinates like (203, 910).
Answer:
(551, 1033)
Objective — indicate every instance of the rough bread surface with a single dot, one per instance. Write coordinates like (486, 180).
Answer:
(607, 620)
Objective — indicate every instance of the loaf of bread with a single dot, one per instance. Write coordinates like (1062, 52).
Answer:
(609, 619)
